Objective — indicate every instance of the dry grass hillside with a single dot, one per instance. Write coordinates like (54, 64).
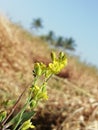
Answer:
(73, 98)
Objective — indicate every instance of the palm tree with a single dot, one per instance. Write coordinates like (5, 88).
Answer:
(37, 24)
(59, 41)
(50, 37)
(69, 44)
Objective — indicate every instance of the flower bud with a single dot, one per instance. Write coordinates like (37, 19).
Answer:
(61, 55)
(33, 104)
(37, 69)
(53, 56)
(26, 125)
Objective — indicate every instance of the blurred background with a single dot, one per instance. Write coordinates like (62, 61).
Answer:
(76, 19)
(29, 31)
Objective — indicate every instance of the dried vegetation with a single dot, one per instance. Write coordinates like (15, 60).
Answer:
(73, 98)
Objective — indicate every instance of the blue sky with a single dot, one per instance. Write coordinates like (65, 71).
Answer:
(68, 18)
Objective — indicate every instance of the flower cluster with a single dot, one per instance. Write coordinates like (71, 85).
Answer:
(53, 68)
(57, 63)
(36, 93)
(40, 92)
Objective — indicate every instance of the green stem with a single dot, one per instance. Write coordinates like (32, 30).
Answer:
(46, 80)
(19, 115)
(23, 110)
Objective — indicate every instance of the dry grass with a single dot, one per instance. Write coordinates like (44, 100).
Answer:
(73, 100)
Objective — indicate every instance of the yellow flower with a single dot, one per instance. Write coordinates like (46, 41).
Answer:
(54, 67)
(57, 64)
(26, 125)
(35, 90)
(43, 95)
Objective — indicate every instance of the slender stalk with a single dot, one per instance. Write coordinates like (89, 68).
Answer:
(20, 117)
(23, 110)
(13, 108)
(46, 80)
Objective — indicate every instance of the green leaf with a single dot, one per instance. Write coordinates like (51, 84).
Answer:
(27, 115)
(2, 115)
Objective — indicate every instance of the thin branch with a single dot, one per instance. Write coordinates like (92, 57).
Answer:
(14, 107)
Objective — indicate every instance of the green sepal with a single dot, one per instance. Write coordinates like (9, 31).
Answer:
(3, 115)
